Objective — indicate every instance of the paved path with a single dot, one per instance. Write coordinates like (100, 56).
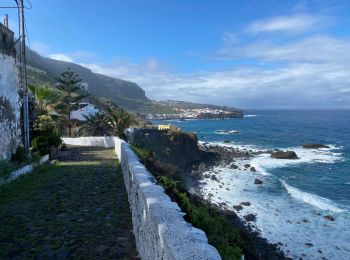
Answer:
(76, 208)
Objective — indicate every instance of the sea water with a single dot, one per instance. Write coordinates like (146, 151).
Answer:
(295, 195)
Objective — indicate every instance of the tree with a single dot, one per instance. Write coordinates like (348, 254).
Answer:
(113, 122)
(45, 98)
(119, 120)
(95, 125)
(69, 84)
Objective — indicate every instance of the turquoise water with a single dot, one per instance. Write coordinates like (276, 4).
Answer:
(299, 191)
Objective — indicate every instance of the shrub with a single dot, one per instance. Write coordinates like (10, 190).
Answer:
(19, 155)
(42, 143)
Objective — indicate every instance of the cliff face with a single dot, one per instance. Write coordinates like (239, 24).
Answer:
(10, 133)
(176, 148)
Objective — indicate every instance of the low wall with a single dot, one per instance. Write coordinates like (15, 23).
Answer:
(102, 141)
(24, 170)
(159, 228)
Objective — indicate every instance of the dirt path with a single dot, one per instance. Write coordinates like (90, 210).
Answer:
(75, 208)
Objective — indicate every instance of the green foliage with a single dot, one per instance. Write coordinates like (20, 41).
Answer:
(44, 124)
(95, 125)
(19, 159)
(46, 134)
(119, 121)
(219, 231)
(45, 98)
(112, 122)
(20, 154)
(6, 168)
(142, 153)
(43, 143)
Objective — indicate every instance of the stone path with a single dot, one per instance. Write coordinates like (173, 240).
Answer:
(75, 208)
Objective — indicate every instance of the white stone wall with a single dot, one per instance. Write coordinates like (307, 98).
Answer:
(102, 141)
(159, 228)
(10, 129)
(24, 170)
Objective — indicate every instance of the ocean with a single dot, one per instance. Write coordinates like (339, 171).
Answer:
(296, 195)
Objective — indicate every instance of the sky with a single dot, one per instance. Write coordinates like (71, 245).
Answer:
(241, 53)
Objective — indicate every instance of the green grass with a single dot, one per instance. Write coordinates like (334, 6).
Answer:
(7, 167)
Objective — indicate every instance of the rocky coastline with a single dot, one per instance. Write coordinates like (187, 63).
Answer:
(180, 156)
(255, 246)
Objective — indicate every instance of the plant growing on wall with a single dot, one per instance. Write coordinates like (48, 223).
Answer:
(69, 84)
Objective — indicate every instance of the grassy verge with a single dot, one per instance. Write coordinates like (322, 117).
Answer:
(221, 234)
(7, 167)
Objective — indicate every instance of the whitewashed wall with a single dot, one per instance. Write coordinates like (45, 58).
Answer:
(159, 228)
(10, 129)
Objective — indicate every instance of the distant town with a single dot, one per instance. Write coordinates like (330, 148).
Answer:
(197, 113)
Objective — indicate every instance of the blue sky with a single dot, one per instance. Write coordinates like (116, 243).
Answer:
(250, 54)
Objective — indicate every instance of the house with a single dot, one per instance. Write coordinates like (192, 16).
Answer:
(7, 45)
(85, 109)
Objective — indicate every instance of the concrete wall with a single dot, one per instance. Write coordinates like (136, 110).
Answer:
(159, 228)
(10, 128)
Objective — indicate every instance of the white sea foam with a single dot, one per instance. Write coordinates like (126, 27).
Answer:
(312, 199)
(226, 132)
(282, 218)
(250, 115)
(284, 213)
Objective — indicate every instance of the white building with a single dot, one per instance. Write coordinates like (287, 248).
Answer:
(85, 109)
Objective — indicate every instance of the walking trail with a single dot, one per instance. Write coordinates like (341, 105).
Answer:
(76, 207)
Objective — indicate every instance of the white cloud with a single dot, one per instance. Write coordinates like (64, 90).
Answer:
(299, 85)
(61, 57)
(292, 23)
(40, 47)
(308, 72)
(319, 48)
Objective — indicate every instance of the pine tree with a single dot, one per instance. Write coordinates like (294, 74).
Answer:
(69, 84)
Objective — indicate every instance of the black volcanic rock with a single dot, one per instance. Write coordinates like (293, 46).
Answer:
(249, 217)
(314, 146)
(257, 181)
(284, 155)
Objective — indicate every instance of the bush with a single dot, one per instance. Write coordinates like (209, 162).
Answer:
(19, 155)
(221, 234)
(42, 143)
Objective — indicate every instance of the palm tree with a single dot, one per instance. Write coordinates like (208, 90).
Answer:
(95, 125)
(119, 120)
(45, 98)
(114, 122)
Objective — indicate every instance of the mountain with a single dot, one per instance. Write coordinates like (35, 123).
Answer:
(104, 90)
(124, 93)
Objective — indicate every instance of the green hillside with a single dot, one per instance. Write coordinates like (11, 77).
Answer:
(124, 93)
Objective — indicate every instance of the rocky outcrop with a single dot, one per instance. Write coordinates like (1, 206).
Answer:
(314, 146)
(249, 217)
(174, 147)
(257, 181)
(284, 155)
(329, 218)
(221, 115)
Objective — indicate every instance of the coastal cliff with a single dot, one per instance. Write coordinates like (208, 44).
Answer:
(178, 156)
